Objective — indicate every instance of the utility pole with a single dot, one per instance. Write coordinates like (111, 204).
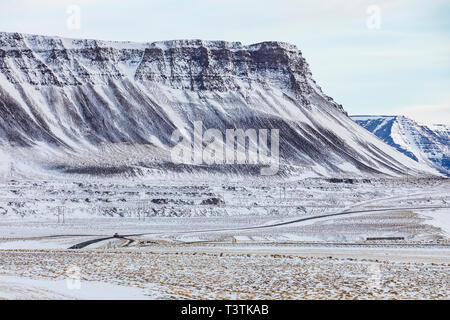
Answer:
(11, 170)
(283, 191)
(59, 214)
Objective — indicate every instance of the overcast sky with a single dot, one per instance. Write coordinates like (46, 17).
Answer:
(373, 57)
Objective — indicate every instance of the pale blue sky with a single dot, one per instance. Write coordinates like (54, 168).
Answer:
(401, 68)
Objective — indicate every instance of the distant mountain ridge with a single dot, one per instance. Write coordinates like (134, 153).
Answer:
(428, 144)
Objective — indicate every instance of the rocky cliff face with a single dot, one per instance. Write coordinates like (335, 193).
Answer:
(74, 104)
(179, 64)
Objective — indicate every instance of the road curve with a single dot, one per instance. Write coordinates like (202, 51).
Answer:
(89, 242)
(345, 212)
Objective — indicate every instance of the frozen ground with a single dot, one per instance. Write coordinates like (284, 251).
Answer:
(222, 275)
(234, 239)
(25, 288)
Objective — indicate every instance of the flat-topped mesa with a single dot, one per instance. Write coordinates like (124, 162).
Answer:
(78, 106)
(180, 64)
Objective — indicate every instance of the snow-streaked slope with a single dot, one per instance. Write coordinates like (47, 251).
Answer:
(88, 106)
(425, 144)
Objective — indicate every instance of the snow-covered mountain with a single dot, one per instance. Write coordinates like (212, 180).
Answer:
(425, 144)
(89, 106)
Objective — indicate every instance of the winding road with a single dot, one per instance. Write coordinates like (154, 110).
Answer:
(278, 224)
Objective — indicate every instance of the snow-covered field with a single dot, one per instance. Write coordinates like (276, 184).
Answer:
(198, 275)
(233, 239)
(20, 288)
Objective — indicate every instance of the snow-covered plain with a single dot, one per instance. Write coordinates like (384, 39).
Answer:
(179, 243)
(64, 212)
(222, 275)
(24, 288)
